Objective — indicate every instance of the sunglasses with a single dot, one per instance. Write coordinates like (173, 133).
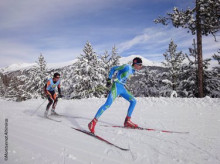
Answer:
(140, 64)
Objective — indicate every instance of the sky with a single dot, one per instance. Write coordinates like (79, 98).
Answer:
(59, 29)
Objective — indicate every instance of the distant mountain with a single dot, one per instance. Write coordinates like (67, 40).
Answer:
(146, 62)
(24, 66)
(15, 67)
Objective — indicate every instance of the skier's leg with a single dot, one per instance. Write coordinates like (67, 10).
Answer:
(54, 104)
(111, 97)
(49, 103)
(48, 106)
(55, 101)
(129, 97)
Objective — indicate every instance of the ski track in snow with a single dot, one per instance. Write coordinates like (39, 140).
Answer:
(33, 139)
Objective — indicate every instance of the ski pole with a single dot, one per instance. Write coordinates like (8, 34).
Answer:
(38, 108)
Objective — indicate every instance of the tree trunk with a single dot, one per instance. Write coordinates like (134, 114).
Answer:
(199, 51)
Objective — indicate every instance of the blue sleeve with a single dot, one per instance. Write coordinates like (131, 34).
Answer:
(116, 68)
(112, 71)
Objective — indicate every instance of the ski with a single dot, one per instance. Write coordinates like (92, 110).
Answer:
(99, 138)
(56, 115)
(148, 129)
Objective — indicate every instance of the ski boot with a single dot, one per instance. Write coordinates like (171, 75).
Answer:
(54, 113)
(129, 124)
(46, 113)
(92, 125)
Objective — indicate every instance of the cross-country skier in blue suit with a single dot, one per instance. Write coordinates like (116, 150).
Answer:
(118, 88)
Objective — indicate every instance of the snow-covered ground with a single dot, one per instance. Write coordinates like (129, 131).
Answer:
(35, 140)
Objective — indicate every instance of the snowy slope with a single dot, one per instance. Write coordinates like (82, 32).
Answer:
(35, 140)
(23, 66)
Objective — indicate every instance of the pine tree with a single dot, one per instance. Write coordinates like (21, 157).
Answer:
(173, 61)
(217, 57)
(89, 79)
(146, 83)
(105, 63)
(15, 90)
(40, 76)
(204, 19)
(211, 81)
(189, 78)
(12, 90)
(114, 59)
(68, 81)
(22, 94)
(42, 65)
(2, 86)
(214, 76)
(35, 79)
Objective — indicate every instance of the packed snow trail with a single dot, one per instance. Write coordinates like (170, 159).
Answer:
(99, 138)
(33, 139)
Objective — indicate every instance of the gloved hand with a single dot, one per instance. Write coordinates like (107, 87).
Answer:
(109, 82)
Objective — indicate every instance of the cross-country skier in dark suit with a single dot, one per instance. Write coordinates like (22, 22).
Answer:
(49, 90)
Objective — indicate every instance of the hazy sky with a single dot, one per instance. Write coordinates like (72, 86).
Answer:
(59, 29)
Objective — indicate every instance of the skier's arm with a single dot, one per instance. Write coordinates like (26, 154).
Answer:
(125, 74)
(59, 90)
(45, 89)
(115, 68)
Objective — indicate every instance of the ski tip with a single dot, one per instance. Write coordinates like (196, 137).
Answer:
(125, 149)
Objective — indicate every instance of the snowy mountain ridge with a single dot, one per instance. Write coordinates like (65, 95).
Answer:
(23, 66)
(146, 62)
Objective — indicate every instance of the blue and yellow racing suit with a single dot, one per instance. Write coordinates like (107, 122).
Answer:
(118, 88)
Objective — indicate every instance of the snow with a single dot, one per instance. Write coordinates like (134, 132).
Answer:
(33, 139)
(173, 94)
(166, 81)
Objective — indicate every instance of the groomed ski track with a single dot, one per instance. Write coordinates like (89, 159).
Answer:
(32, 139)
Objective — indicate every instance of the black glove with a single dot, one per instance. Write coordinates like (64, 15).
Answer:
(60, 96)
(109, 82)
